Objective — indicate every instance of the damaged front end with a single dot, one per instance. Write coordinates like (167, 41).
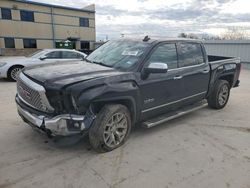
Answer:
(59, 125)
(48, 111)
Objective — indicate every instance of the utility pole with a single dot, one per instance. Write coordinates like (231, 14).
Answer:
(53, 27)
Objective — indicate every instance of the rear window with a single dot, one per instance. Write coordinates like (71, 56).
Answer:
(190, 54)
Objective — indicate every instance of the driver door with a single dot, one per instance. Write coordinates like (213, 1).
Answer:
(161, 91)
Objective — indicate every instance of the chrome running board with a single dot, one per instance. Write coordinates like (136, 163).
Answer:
(172, 115)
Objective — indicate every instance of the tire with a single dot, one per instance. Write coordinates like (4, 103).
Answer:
(13, 71)
(103, 134)
(220, 95)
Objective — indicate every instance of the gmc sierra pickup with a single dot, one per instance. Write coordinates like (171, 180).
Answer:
(122, 83)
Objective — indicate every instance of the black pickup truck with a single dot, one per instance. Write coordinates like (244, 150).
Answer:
(123, 83)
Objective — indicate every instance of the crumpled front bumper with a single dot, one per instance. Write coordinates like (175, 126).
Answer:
(61, 125)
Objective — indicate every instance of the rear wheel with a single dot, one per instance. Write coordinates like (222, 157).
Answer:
(220, 95)
(111, 128)
(13, 72)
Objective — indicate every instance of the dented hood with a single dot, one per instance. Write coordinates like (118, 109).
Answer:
(64, 73)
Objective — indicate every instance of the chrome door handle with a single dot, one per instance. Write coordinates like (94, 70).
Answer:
(178, 77)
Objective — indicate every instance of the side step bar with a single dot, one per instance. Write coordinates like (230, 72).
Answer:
(172, 115)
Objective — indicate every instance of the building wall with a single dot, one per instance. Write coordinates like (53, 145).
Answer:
(66, 25)
(1, 42)
(231, 48)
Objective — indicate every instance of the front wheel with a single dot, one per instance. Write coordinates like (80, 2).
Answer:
(220, 95)
(111, 128)
(13, 72)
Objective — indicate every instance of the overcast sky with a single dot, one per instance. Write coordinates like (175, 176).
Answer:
(164, 17)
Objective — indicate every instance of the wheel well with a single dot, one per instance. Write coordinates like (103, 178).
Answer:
(97, 106)
(13, 67)
(228, 78)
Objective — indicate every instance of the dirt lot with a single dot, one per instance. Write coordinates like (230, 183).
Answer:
(206, 148)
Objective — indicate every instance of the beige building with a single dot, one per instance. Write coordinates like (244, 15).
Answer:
(28, 26)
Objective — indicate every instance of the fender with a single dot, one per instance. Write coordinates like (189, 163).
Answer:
(122, 92)
(127, 101)
(222, 71)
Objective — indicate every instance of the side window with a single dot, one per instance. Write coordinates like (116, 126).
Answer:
(165, 53)
(54, 55)
(84, 22)
(190, 54)
(29, 43)
(9, 42)
(70, 55)
(27, 16)
(6, 13)
(85, 45)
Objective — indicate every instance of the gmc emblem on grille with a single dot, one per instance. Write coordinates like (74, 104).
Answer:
(24, 93)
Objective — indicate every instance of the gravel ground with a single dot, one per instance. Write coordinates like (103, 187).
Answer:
(206, 148)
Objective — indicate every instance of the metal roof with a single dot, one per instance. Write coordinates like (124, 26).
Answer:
(227, 41)
(55, 6)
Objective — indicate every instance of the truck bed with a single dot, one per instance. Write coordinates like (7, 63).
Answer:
(216, 61)
(229, 65)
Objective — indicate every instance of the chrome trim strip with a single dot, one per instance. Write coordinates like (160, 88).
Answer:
(167, 104)
(192, 66)
(30, 83)
(41, 90)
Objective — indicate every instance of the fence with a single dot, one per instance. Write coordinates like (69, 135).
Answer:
(231, 48)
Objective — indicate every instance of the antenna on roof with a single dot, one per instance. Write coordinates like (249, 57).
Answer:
(146, 39)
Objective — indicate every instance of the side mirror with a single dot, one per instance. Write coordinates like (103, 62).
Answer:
(156, 68)
(43, 58)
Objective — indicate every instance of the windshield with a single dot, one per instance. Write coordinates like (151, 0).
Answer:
(36, 54)
(118, 54)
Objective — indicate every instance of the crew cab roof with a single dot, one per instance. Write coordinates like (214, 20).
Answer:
(156, 40)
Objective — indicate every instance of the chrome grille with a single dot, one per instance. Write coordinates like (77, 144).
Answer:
(32, 94)
(29, 95)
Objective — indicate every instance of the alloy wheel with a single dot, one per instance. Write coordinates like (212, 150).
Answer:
(115, 130)
(14, 73)
(223, 95)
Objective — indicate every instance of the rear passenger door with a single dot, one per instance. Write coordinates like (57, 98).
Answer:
(194, 71)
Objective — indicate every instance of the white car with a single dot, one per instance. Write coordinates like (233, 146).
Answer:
(10, 66)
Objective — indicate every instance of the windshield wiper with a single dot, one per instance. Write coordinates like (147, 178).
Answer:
(101, 63)
(98, 62)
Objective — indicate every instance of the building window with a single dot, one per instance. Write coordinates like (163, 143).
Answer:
(85, 45)
(6, 13)
(84, 22)
(27, 16)
(9, 42)
(29, 43)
